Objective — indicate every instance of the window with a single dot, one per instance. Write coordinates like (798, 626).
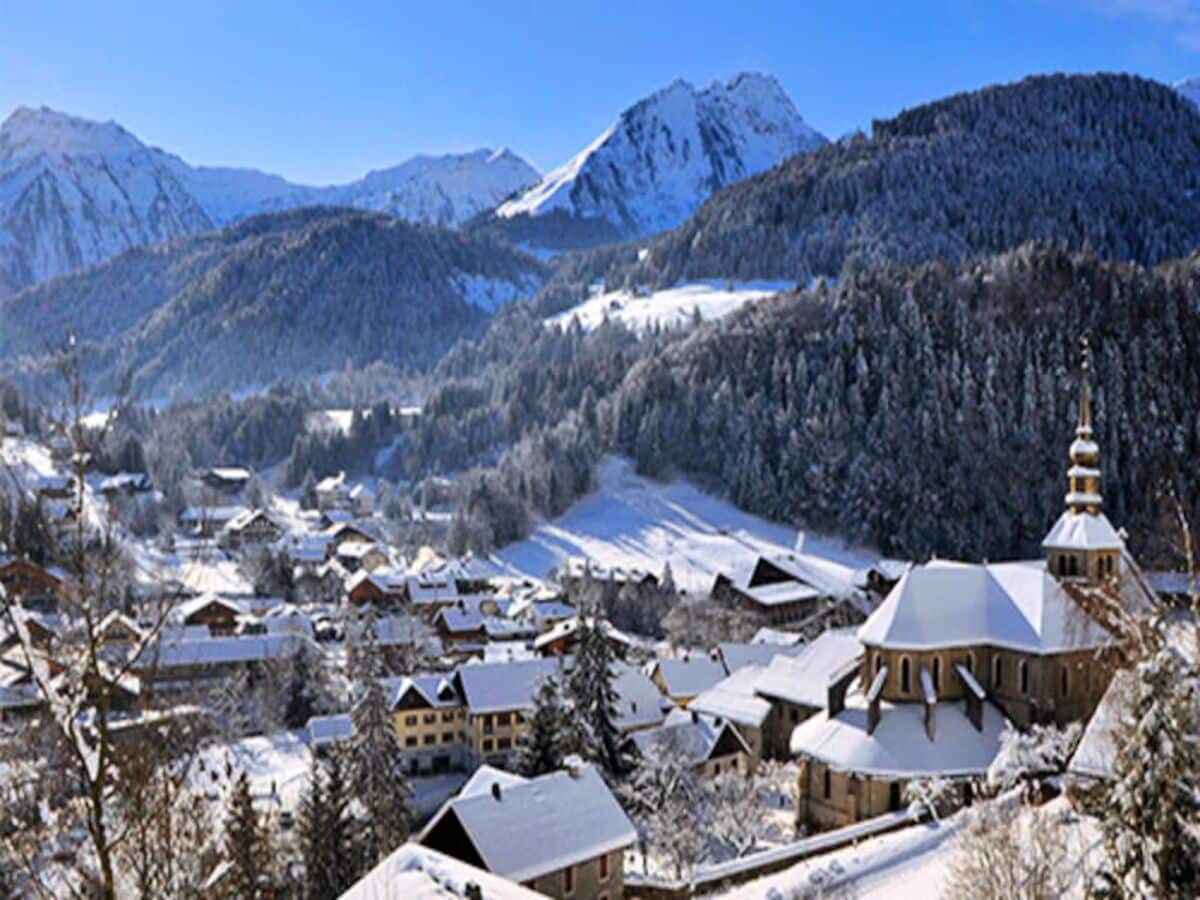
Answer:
(795, 715)
(487, 724)
(905, 675)
(997, 671)
(447, 737)
(1023, 670)
(716, 768)
(569, 880)
(828, 784)
(503, 719)
(937, 673)
(1062, 565)
(428, 738)
(504, 744)
(1073, 564)
(487, 745)
(878, 662)
(410, 720)
(1063, 685)
(447, 717)
(971, 662)
(430, 718)
(603, 867)
(410, 741)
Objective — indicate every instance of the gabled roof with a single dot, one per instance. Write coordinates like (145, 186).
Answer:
(413, 872)
(437, 691)
(1083, 531)
(503, 686)
(803, 679)
(1014, 605)
(688, 677)
(692, 739)
(736, 656)
(568, 627)
(188, 608)
(735, 698)
(1097, 749)
(220, 650)
(540, 825)
(325, 730)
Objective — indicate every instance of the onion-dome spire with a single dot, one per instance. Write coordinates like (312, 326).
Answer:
(1084, 474)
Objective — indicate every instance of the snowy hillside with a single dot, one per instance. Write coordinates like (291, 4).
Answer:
(1189, 88)
(634, 522)
(666, 154)
(669, 308)
(75, 192)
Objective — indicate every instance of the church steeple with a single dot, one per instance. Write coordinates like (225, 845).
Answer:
(1084, 475)
(1083, 542)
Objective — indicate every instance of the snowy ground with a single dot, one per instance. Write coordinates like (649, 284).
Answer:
(672, 307)
(633, 521)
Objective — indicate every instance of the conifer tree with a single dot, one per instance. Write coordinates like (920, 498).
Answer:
(542, 747)
(246, 846)
(593, 694)
(308, 491)
(377, 764)
(327, 831)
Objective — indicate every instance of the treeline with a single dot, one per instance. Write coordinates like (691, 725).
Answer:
(1110, 162)
(922, 410)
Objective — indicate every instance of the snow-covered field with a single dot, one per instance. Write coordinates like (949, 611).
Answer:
(633, 521)
(671, 307)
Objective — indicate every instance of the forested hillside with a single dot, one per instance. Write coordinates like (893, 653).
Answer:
(285, 295)
(1106, 161)
(924, 410)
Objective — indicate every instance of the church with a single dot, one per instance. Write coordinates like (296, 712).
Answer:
(957, 650)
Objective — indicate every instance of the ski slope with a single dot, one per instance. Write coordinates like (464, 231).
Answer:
(632, 521)
(669, 308)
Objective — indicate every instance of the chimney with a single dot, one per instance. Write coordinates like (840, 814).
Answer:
(573, 764)
(496, 790)
(473, 891)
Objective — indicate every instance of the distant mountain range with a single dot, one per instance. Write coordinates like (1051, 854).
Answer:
(75, 192)
(280, 295)
(660, 160)
(1189, 88)
(1109, 162)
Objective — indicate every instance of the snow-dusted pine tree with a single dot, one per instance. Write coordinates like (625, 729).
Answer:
(377, 765)
(247, 850)
(326, 831)
(594, 697)
(540, 748)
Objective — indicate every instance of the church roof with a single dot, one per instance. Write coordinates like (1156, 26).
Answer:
(1083, 531)
(1014, 605)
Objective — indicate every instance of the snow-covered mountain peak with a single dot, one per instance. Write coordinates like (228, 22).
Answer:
(29, 132)
(667, 153)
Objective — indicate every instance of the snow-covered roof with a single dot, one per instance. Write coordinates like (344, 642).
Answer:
(188, 608)
(1097, 750)
(484, 777)
(222, 514)
(325, 730)
(436, 690)
(541, 825)
(1083, 531)
(899, 746)
(687, 737)
(776, 637)
(1014, 605)
(688, 677)
(501, 686)
(804, 679)
(735, 698)
(247, 517)
(639, 704)
(736, 656)
(507, 651)
(568, 627)
(230, 473)
(217, 651)
(413, 872)
(781, 592)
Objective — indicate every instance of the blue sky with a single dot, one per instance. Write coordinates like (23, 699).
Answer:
(322, 93)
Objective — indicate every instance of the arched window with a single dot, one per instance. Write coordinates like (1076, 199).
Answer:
(1063, 685)
(1074, 565)
(997, 671)
(828, 784)
(1023, 669)
(937, 673)
(878, 662)
(1062, 565)
(905, 675)
(971, 663)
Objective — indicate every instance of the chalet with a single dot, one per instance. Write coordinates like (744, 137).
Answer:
(54, 487)
(35, 587)
(734, 699)
(126, 484)
(680, 680)
(229, 480)
(356, 555)
(561, 639)
(324, 733)
(790, 588)
(735, 655)
(219, 614)
(711, 746)
(430, 593)
(413, 871)
(430, 719)
(576, 572)
(498, 697)
(207, 521)
(250, 528)
(959, 650)
(381, 587)
(545, 614)
(562, 835)
(305, 550)
(344, 532)
(191, 664)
